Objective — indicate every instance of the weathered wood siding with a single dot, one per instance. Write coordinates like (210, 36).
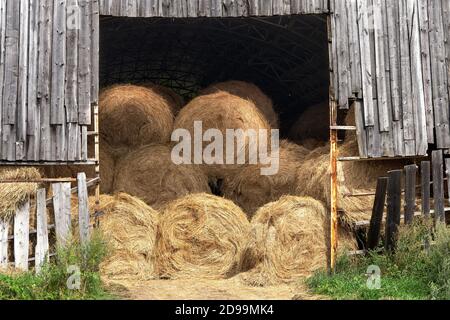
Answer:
(46, 82)
(210, 8)
(389, 57)
(392, 56)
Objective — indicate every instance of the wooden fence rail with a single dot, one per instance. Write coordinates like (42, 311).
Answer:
(60, 203)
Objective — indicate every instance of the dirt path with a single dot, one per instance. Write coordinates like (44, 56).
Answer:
(231, 289)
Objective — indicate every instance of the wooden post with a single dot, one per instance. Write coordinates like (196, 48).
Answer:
(22, 236)
(4, 229)
(447, 172)
(377, 214)
(83, 208)
(42, 247)
(334, 187)
(410, 193)
(438, 185)
(393, 208)
(425, 168)
(61, 204)
(97, 165)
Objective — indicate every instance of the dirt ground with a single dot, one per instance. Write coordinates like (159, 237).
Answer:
(195, 289)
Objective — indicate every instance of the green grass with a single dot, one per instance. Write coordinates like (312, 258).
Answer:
(52, 282)
(415, 271)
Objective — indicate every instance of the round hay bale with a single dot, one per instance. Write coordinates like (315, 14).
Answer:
(132, 116)
(129, 225)
(222, 111)
(313, 123)
(288, 240)
(149, 174)
(13, 195)
(108, 159)
(251, 190)
(201, 236)
(173, 99)
(247, 91)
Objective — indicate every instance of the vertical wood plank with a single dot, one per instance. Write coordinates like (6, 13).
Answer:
(373, 236)
(425, 174)
(33, 112)
(438, 185)
(44, 75)
(42, 246)
(58, 62)
(4, 231)
(61, 207)
(83, 208)
(84, 63)
(366, 56)
(22, 99)
(22, 236)
(410, 193)
(393, 208)
(71, 91)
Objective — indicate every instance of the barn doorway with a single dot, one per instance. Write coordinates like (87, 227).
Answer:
(286, 56)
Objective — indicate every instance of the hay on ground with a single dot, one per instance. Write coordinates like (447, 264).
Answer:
(314, 123)
(353, 178)
(131, 116)
(129, 225)
(173, 99)
(288, 241)
(222, 111)
(247, 91)
(251, 190)
(201, 236)
(150, 174)
(13, 195)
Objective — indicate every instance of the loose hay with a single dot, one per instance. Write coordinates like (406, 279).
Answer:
(130, 226)
(150, 174)
(353, 178)
(201, 236)
(288, 241)
(132, 116)
(173, 99)
(247, 91)
(221, 111)
(251, 190)
(314, 123)
(13, 195)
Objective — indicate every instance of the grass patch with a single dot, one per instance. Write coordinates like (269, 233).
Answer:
(73, 275)
(419, 269)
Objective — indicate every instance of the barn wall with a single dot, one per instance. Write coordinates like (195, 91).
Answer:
(210, 8)
(49, 78)
(392, 59)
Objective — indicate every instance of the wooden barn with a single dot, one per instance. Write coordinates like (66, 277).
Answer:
(387, 61)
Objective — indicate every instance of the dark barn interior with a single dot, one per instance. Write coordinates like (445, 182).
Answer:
(287, 57)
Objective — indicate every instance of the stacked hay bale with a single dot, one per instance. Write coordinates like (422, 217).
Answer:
(222, 111)
(150, 174)
(288, 240)
(247, 91)
(251, 190)
(312, 127)
(174, 100)
(133, 116)
(201, 236)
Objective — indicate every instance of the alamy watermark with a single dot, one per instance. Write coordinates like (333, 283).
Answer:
(235, 147)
